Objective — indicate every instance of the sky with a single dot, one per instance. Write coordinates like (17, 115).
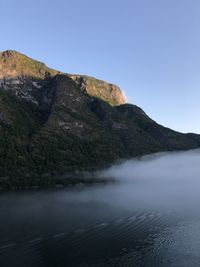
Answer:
(150, 48)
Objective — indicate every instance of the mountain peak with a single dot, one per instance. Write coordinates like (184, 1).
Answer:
(8, 53)
(15, 64)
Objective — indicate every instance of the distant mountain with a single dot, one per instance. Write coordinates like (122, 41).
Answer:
(53, 124)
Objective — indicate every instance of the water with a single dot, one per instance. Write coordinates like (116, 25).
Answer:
(149, 217)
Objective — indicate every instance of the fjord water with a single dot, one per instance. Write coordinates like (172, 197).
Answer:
(150, 216)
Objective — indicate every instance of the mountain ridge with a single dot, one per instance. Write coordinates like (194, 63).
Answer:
(53, 124)
(14, 64)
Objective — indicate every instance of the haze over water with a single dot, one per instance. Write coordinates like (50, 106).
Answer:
(150, 216)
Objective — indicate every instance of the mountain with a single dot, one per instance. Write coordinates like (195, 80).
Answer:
(53, 124)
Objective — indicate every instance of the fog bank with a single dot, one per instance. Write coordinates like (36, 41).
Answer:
(169, 180)
(161, 166)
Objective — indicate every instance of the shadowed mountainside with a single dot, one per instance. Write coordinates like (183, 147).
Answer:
(53, 124)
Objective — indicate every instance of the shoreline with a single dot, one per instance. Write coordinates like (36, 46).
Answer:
(73, 179)
(75, 183)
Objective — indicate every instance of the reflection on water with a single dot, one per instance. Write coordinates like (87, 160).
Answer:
(149, 217)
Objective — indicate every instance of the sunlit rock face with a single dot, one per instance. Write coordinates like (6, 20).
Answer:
(105, 91)
(53, 123)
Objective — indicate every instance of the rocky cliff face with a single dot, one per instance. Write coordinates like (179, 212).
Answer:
(52, 124)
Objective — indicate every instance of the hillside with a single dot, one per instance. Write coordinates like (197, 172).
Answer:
(53, 124)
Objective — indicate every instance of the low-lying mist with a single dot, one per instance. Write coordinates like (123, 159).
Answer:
(159, 166)
(170, 180)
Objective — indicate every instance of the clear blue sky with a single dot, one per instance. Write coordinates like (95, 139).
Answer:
(150, 48)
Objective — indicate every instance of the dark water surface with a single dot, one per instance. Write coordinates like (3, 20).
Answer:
(149, 217)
